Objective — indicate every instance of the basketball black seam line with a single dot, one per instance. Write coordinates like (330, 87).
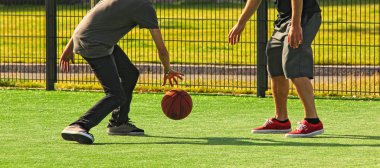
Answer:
(180, 107)
(170, 104)
(188, 102)
(172, 101)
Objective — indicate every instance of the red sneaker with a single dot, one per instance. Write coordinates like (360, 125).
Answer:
(273, 126)
(306, 129)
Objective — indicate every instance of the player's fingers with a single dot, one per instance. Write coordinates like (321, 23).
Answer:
(234, 39)
(175, 81)
(170, 82)
(63, 66)
(179, 76)
(60, 64)
(230, 33)
(298, 40)
(66, 67)
(230, 37)
(293, 41)
(164, 83)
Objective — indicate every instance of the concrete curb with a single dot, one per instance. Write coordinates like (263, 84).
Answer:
(319, 70)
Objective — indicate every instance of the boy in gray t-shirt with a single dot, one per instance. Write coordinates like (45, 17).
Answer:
(95, 39)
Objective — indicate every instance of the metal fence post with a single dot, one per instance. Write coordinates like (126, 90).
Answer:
(262, 37)
(51, 43)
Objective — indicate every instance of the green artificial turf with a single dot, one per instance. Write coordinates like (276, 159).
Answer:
(216, 134)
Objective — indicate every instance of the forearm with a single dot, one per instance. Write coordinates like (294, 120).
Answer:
(249, 9)
(297, 6)
(70, 45)
(164, 58)
(162, 51)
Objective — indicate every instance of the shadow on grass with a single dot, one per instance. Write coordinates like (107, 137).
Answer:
(361, 137)
(253, 141)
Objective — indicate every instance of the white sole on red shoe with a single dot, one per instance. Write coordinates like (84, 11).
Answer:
(312, 134)
(271, 131)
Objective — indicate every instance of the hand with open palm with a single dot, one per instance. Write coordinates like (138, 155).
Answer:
(172, 76)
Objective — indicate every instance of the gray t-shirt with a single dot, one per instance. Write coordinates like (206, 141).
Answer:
(108, 22)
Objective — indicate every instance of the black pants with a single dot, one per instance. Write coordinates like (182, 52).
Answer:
(118, 77)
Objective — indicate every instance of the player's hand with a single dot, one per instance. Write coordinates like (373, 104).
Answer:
(172, 76)
(66, 57)
(295, 37)
(235, 34)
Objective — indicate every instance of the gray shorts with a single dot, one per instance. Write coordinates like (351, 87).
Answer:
(289, 62)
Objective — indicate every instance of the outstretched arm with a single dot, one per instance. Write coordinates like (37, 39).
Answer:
(164, 57)
(249, 9)
(67, 56)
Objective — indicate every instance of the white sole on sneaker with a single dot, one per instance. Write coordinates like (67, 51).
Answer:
(80, 137)
(271, 131)
(304, 135)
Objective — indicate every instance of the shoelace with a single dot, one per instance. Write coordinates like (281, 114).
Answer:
(268, 122)
(129, 123)
(301, 126)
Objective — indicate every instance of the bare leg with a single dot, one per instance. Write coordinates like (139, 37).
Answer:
(280, 89)
(305, 92)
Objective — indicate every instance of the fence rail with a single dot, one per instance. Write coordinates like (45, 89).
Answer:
(346, 49)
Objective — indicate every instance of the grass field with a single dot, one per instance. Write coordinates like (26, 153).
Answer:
(197, 33)
(216, 134)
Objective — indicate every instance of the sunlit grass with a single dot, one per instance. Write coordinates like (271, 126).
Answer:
(215, 134)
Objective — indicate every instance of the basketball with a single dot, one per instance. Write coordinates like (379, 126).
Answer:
(176, 104)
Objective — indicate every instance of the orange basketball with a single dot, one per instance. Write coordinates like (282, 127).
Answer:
(176, 104)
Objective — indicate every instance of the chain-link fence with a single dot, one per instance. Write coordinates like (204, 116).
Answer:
(346, 49)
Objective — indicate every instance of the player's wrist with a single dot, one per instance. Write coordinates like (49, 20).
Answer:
(241, 23)
(295, 23)
(167, 71)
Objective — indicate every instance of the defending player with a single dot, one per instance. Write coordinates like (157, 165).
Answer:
(289, 56)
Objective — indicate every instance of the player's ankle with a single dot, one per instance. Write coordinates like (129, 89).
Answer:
(312, 120)
(282, 120)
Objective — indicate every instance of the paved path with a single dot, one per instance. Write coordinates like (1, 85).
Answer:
(205, 78)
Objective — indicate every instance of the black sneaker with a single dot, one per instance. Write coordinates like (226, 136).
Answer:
(125, 129)
(78, 134)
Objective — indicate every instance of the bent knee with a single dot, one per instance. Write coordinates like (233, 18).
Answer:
(117, 98)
